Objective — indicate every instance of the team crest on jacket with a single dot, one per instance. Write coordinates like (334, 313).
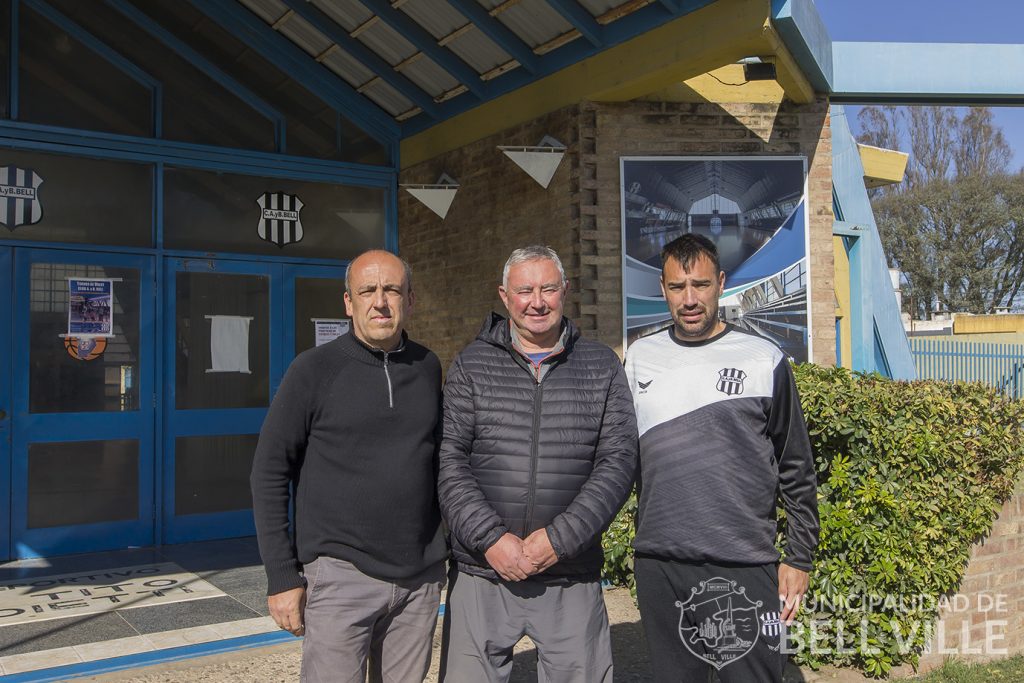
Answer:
(279, 220)
(730, 381)
(719, 623)
(19, 196)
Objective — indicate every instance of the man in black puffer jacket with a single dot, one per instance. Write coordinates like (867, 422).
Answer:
(538, 454)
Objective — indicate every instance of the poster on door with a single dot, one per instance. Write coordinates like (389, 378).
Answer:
(90, 307)
(329, 329)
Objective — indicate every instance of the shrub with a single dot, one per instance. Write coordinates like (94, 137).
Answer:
(910, 476)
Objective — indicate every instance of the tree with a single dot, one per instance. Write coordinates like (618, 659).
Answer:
(955, 226)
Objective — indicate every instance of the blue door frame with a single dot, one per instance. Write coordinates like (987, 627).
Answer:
(223, 422)
(6, 405)
(28, 428)
(210, 422)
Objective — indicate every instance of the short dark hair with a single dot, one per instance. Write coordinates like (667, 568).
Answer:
(688, 248)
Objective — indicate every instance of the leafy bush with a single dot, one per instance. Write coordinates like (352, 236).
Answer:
(910, 476)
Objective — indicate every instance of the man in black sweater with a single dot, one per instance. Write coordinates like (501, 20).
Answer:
(350, 440)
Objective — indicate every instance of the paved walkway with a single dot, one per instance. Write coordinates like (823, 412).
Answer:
(81, 611)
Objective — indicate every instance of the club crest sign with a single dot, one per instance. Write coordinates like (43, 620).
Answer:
(279, 218)
(730, 381)
(19, 197)
(719, 623)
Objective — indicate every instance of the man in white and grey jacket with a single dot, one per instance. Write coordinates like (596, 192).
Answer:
(722, 439)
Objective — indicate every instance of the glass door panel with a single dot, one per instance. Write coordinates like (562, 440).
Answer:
(316, 294)
(82, 457)
(224, 353)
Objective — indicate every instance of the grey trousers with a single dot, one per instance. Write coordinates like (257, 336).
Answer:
(483, 620)
(352, 618)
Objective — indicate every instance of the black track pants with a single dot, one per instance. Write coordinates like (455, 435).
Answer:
(699, 616)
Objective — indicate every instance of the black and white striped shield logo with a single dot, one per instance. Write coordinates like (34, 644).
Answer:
(19, 197)
(279, 222)
(730, 381)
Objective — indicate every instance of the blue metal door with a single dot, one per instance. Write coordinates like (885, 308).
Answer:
(82, 462)
(6, 324)
(222, 358)
(232, 329)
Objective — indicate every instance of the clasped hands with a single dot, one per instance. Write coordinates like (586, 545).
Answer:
(515, 559)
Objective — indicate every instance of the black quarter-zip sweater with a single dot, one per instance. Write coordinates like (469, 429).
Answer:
(354, 431)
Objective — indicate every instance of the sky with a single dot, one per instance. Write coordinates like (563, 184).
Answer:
(933, 21)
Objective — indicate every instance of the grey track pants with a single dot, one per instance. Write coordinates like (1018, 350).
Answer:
(485, 619)
(352, 618)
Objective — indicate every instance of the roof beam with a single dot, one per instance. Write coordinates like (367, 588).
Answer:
(582, 20)
(882, 166)
(427, 44)
(305, 70)
(928, 73)
(804, 33)
(787, 70)
(325, 25)
(498, 32)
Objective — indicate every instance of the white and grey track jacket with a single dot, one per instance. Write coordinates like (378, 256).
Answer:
(722, 438)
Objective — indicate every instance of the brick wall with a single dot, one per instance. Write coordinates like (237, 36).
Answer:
(457, 261)
(985, 619)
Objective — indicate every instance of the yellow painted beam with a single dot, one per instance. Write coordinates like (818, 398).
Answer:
(717, 34)
(724, 85)
(842, 292)
(787, 71)
(882, 166)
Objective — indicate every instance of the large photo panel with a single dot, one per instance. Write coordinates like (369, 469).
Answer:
(753, 208)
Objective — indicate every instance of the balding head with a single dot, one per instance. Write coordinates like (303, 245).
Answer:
(372, 254)
(378, 298)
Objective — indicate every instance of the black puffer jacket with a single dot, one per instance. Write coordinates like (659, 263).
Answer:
(518, 454)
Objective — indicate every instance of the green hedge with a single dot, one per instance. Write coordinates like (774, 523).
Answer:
(910, 476)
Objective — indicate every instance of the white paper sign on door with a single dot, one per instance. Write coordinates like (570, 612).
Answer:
(329, 329)
(229, 343)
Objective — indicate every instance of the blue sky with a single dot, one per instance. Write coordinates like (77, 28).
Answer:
(934, 21)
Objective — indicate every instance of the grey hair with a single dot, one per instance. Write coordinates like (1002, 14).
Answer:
(405, 267)
(534, 252)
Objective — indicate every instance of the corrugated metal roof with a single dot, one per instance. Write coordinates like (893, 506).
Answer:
(534, 21)
(346, 66)
(437, 16)
(437, 47)
(267, 10)
(304, 35)
(349, 14)
(429, 76)
(599, 7)
(383, 40)
(389, 99)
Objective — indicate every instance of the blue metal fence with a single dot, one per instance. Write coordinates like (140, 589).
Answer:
(997, 365)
